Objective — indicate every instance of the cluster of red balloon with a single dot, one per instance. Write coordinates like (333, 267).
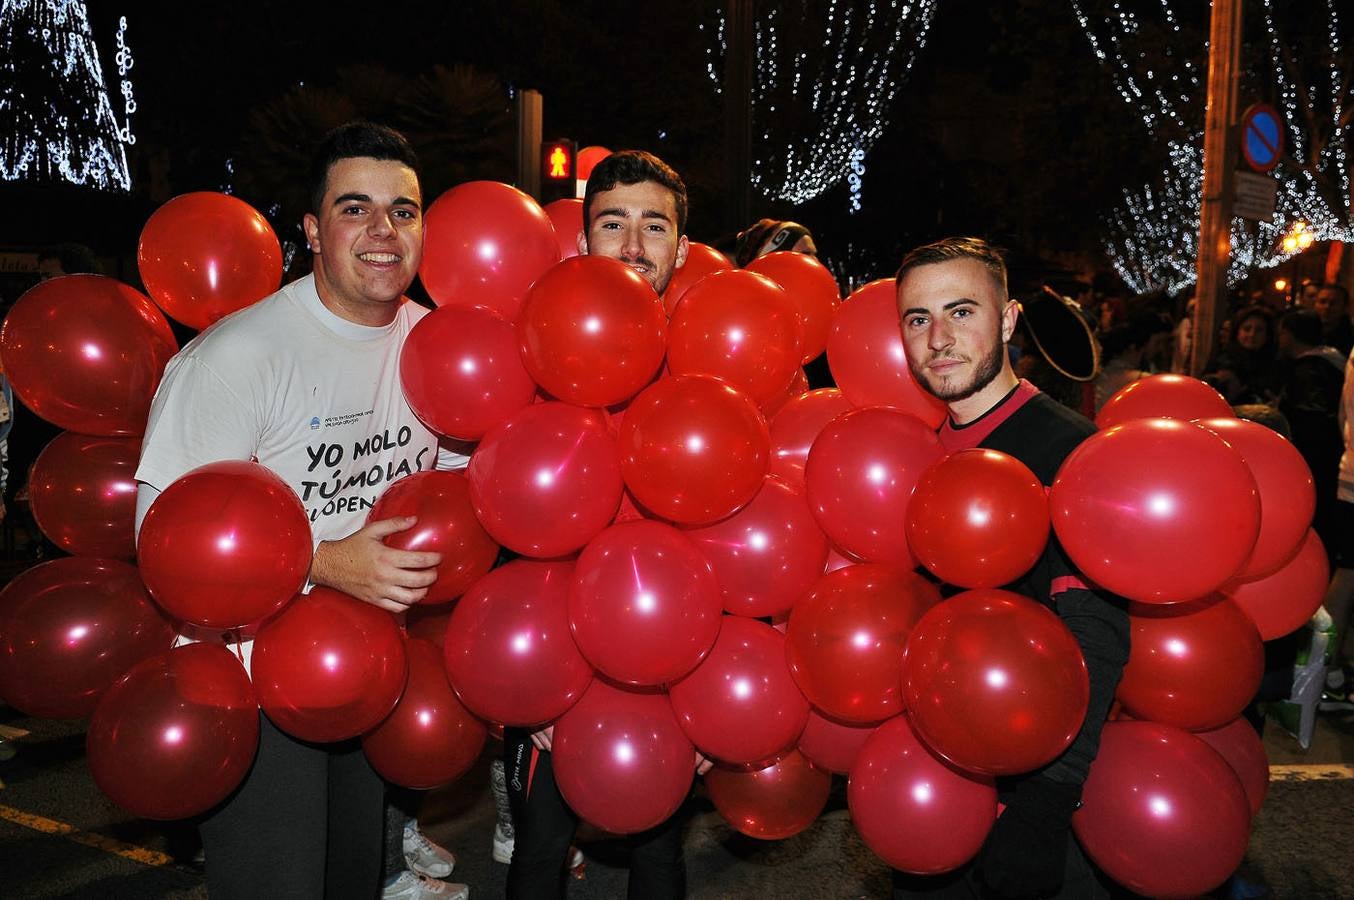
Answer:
(1202, 520)
(176, 733)
(85, 353)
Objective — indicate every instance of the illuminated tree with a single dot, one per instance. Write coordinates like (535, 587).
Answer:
(1156, 57)
(826, 72)
(56, 120)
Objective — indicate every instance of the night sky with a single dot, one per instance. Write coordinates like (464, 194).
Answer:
(1005, 127)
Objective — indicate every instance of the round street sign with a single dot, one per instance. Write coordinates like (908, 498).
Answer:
(1261, 137)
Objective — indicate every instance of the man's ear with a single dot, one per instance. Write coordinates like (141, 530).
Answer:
(311, 226)
(683, 245)
(1009, 315)
(582, 243)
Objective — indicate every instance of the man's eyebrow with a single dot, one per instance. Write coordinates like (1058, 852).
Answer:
(366, 198)
(962, 301)
(622, 213)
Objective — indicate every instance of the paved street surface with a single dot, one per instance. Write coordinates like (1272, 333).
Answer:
(60, 838)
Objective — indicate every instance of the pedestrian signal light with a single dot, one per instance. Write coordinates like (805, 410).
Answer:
(557, 160)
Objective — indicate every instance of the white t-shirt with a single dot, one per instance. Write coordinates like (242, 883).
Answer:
(310, 395)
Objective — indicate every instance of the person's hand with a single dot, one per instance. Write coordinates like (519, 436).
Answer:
(362, 566)
(703, 764)
(544, 739)
(1025, 856)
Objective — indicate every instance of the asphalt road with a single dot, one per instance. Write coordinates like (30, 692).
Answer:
(1301, 845)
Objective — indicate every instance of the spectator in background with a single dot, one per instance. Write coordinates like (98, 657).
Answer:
(1311, 376)
(1184, 339)
(1242, 368)
(1306, 297)
(1332, 305)
(66, 259)
(770, 235)
(1339, 600)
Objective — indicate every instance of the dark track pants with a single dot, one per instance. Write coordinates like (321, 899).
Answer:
(545, 825)
(306, 825)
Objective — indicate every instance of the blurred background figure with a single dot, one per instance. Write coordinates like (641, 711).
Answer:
(1242, 368)
(770, 235)
(1332, 305)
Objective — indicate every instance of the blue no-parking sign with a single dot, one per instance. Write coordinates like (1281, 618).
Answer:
(1261, 137)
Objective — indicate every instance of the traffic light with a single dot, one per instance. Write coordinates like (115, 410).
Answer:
(559, 160)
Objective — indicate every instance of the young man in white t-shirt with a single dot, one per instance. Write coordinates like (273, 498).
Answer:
(306, 381)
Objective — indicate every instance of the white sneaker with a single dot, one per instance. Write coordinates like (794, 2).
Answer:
(415, 887)
(503, 844)
(424, 857)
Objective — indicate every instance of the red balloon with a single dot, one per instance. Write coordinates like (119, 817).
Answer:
(547, 480)
(1239, 743)
(701, 260)
(797, 425)
(772, 803)
(204, 255)
(592, 331)
(430, 739)
(865, 353)
(484, 244)
(226, 545)
(978, 519)
(620, 759)
(462, 373)
(739, 326)
(994, 682)
(71, 627)
(176, 734)
(1281, 603)
(693, 449)
(832, 745)
(644, 606)
(799, 385)
(766, 554)
(566, 216)
(860, 475)
(446, 524)
(86, 353)
(588, 158)
(740, 705)
(1162, 813)
(1156, 510)
(329, 667)
(509, 652)
(82, 493)
(1287, 492)
(1167, 396)
(914, 810)
(1193, 665)
(812, 289)
(845, 642)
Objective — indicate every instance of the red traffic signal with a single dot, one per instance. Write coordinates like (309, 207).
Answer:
(558, 159)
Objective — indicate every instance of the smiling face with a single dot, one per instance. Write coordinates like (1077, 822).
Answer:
(367, 238)
(636, 224)
(956, 322)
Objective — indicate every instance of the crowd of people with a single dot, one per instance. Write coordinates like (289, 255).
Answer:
(316, 820)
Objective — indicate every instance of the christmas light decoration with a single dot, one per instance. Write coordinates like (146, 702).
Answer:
(125, 62)
(822, 87)
(1152, 237)
(56, 119)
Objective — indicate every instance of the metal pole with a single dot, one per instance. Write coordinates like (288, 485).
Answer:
(1215, 219)
(738, 112)
(527, 107)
